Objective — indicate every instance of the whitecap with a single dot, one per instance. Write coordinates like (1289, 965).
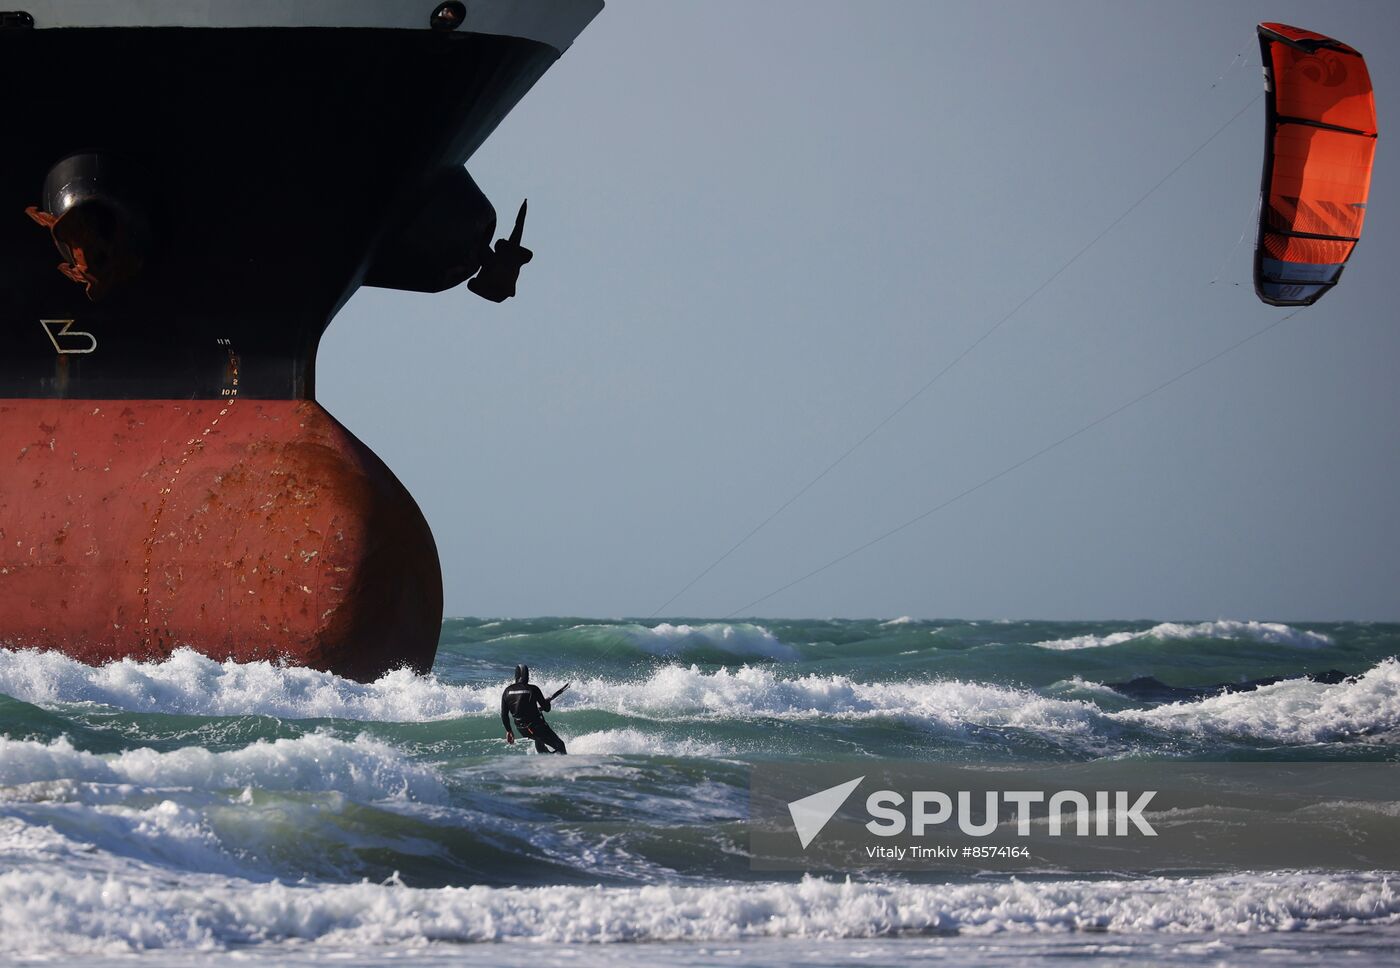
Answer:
(1292, 711)
(188, 683)
(630, 741)
(1271, 633)
(363, 769)
(742, 640)
(192, 684)
(48, 912)
(677, 691)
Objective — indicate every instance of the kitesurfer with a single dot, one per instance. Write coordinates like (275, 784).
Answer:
(526, 703)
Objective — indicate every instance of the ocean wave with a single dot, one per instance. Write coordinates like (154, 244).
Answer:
(363, 769)
(188, 683)
(585, 640)
(192, 684)
(291, 806)
(688, 691)
(1077, 687)
(1294, 711)
(742, 640)
(46, 913)
(1271, 633)
(636, 742)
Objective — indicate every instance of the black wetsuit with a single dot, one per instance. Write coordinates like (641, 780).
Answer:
(525, 702)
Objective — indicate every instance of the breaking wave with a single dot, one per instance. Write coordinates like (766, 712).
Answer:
(1293, 711)
(743, 641)
(1296, 711)
(46, 913)
(364, 769)
(188, 683)
(688, 691)
(718, 641)
(1272, 633)
(636, 742)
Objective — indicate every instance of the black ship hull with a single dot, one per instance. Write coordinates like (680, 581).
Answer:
(271, 163)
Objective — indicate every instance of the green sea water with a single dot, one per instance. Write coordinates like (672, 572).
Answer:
(282, 813)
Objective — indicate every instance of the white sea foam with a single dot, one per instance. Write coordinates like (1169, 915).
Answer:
(688, 691)
(1295, 711)
(1272, 633)
(363, 769)
(902, 620)
(1080, 687)
(191, 684)
(194, 810)
(48, 913)
(96, 829)
(636, 742)
(743, 640)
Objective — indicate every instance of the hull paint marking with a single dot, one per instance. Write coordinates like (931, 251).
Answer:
(67, 333)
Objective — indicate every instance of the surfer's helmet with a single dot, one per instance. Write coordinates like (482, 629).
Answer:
(522, 673)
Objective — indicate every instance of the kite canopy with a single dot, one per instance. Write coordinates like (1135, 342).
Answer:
(1320, 142)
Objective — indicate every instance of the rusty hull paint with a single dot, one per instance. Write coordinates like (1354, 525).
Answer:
(130, 528)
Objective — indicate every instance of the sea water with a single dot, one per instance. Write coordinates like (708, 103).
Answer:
(191, 811)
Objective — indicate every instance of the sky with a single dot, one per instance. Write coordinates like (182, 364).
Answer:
(760, 228)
